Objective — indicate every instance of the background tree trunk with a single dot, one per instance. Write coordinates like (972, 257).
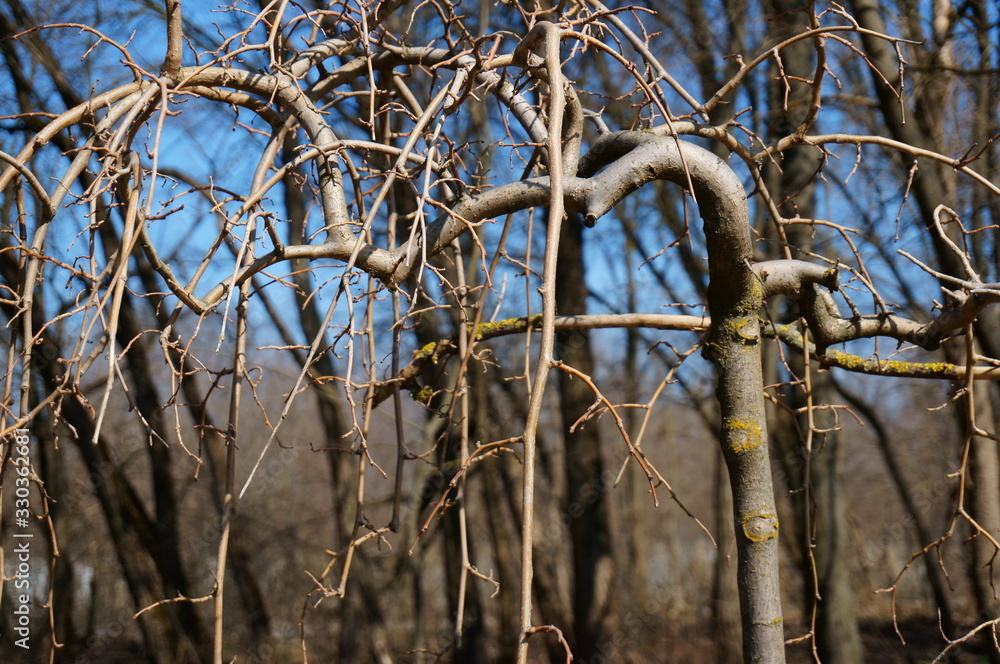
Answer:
(821, 509)
(587, 489)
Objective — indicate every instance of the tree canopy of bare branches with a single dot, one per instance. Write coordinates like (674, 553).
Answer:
(278, 254)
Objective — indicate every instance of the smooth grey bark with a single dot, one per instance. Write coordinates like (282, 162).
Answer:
(734, 299)
(725, 612)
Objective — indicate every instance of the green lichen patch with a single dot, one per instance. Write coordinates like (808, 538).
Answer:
(891, 367)
(426, 351)
(423, 395)
(508, 325)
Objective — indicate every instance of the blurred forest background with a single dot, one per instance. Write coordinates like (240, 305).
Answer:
(182, 425)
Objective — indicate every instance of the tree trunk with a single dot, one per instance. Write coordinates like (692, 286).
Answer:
(725, 609)
(942, 600)
(934, 185)
(823, 542)
(985, 469)
(147, 553)
(502, 522)
(587, 491)
(984, 495)
(838, 639)
(634, 574)
(733, 346)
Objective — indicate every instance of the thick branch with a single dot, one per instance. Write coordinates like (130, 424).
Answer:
(440, 351)
(175, 39)
(630, 160)
(790, 335)
(791, 277)
(633, 159)
(809, 283)
(829, 327)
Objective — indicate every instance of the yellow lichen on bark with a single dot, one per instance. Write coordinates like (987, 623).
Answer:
(746, 435)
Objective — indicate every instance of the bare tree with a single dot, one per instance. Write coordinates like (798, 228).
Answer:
(410, 164)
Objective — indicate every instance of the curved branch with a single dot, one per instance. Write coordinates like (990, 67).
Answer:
(634, 159)
(630, 160)
(815, 33)
(829, 327)
(32, 180)
(485, 74)
(70, 118)
(957, 163)
(286, 92)
(734, 298)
